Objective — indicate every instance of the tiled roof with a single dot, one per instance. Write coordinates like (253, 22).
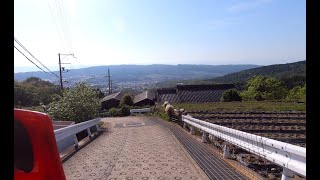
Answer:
(144, 95)
(167, 91)
(200, 96)
(204, 87)
(171, 98)
(193, 93)
(117, 96)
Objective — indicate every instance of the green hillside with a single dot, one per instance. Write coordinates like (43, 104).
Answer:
(292, 74)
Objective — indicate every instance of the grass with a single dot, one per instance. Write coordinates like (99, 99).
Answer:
(159, 112)
(100, 124)
(243, 106)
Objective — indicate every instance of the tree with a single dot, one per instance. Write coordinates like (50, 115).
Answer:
(264, 88)
(231, 95)
(23, 97)
(126, 100)
(292, 81)
(125, 111)
(80, 103)
(34, 91)
(297, 93)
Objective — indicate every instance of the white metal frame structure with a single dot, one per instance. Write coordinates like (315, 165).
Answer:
(292, 158)
(72, 130)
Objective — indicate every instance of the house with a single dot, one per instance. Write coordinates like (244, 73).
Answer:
(146, 98)
(112, 100)
(192, 93)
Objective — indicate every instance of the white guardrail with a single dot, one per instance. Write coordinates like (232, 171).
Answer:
(144, 110)
(291, 157)
(72, 130)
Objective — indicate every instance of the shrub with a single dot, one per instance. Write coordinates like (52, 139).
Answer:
(231, 95)
(126, 100)
(114, 112)
(125, 111)
(297, 93)
(78, 104)
(159, 111)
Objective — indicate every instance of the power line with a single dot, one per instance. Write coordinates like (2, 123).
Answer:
(60, 20)
(66, 23)
(62, 17)
(32, 61)
(63, 23)
(56, 25)
(34, 56)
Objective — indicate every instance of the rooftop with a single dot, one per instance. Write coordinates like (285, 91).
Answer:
(144, 95)
(117, 96)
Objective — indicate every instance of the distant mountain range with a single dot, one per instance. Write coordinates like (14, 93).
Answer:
(292, 74)
(138, 73)
(280, 71)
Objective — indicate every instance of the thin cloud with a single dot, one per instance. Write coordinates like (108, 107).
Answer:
(247, 5)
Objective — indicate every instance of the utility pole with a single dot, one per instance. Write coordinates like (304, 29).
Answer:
(61, 86)
(62, 68)
(109, 82)
(111, 87)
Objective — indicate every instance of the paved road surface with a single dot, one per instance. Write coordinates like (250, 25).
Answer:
(133, 148)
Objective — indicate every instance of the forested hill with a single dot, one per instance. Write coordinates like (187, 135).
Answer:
(291, 74)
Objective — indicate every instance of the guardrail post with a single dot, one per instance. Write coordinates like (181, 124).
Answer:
(226, 151)
(192, 130)
(286, 174)
(75, 141)
(204, 137)
(89, 133)
(98, 129)
(184, 125)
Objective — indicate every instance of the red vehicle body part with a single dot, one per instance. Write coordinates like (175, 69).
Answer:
(36, 155)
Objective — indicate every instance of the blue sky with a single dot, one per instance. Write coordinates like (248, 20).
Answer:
(109, 32)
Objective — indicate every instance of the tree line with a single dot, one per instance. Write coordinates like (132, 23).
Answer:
(34, 92)
(261, 88)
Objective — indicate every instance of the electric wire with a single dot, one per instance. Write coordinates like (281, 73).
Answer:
(33, 62)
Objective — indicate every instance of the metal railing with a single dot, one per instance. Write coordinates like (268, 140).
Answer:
(292, 158)
(143, 110)
(72, 130)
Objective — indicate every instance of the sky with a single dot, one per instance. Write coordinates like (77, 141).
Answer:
(112, 32)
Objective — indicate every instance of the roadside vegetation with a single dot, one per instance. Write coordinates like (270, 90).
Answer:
(158, 111)
(231, 95)
(80, 103)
